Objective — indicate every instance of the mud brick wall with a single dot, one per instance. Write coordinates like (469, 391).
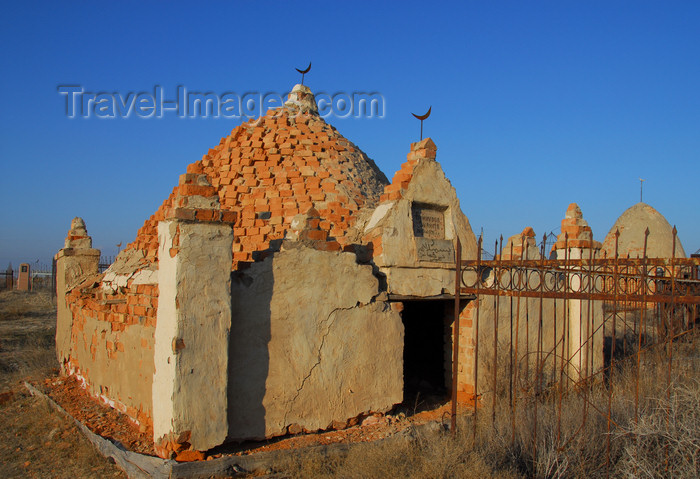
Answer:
(112, 344)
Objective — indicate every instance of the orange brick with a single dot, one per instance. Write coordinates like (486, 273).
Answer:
(315, 234)
(196, 190)
(206, 215)
(332, 246)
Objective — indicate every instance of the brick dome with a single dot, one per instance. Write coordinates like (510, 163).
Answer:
(270, 169)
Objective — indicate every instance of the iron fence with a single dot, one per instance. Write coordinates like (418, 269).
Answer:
(105, 262)
(546, 329)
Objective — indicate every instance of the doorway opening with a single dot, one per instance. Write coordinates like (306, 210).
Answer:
(427, 352)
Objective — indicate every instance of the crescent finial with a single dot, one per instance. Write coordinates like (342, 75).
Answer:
(426, 115)
(304, 71)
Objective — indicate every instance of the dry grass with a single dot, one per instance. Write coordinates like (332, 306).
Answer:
(653, 447)
(35, 440)
(433, 454)
(27, 330)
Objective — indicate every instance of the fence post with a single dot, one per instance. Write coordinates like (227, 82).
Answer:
(455, 336)
(476, 340)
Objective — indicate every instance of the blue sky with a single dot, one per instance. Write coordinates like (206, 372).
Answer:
(534, 104)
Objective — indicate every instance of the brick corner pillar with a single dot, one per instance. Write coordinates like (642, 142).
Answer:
(193, 320)
(76, 260)
(466, 376)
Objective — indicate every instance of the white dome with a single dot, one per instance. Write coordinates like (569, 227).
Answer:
(632, 224)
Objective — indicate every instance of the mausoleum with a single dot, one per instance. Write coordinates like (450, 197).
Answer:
(285, 285)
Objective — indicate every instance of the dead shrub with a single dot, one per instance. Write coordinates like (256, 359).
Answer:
(665, 442)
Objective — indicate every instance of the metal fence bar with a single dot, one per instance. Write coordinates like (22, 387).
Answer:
(611, 367)
(669, 335)
(560, 388)
(476, 353)
(455, 338)
(497, 301)
(515, 358)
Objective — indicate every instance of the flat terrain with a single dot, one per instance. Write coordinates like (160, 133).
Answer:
(35, 440)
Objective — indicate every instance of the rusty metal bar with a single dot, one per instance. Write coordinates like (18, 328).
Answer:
(669, 336)
(555, 339)
(652, 298)
(612, 360)
(538, 357)
(641, 327)
(516, 359)
(539, 331)
(510, 364)
(524, 256)
(687, 263)
(560, 390)
(455, 337)
(590, 339)
(579, 354)
(497, 301)
(624, 328)
(476, 352)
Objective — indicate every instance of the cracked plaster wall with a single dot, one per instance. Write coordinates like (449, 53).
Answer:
(312, 343)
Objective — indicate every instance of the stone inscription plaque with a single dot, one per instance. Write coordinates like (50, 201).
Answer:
(435, 250)
(428, 222)
(429, 230)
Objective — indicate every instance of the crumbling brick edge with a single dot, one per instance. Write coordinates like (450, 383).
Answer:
(142, 466)
(135, 465)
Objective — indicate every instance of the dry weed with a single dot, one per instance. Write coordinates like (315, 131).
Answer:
(575, 447)
(666, 439)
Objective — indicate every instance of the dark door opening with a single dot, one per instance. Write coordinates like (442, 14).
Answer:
(426, 340)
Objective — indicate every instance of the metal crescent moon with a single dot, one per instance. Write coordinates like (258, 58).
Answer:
(423, 117)
(304, 71)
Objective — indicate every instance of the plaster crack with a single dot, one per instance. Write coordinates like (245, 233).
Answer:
(329, 323)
